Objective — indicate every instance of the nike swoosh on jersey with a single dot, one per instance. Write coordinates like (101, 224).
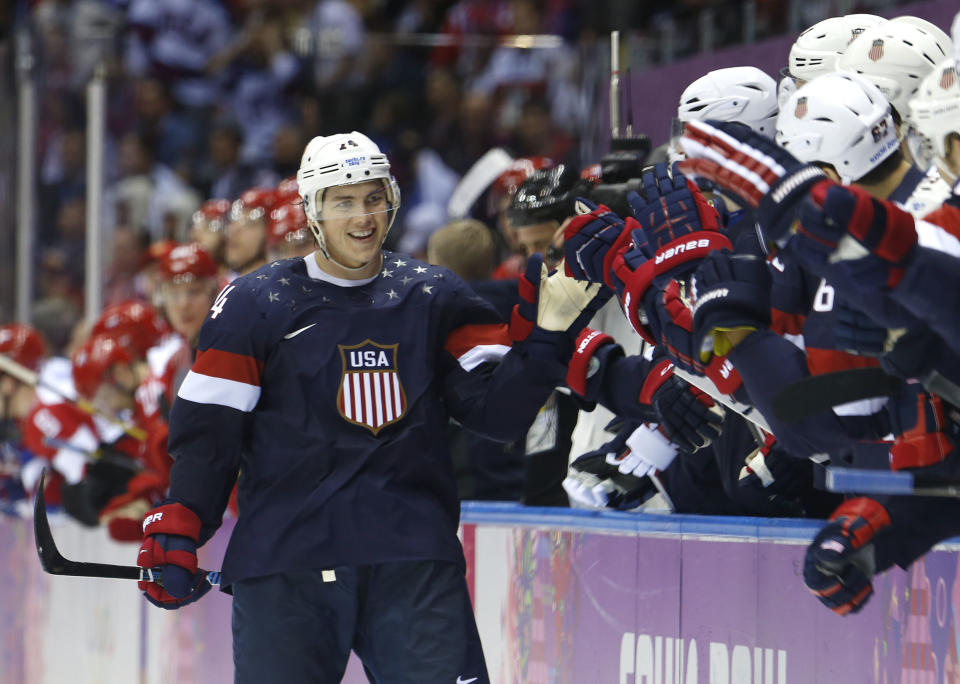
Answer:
(466, 681)
(290, 336)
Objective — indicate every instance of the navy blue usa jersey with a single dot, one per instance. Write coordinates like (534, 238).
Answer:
(331, 399)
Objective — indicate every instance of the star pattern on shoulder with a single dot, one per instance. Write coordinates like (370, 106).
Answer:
(326, 299)
(420, 269)
(386, 273)
(427, 289)
(399, 262)
(392, 294)
(405, 279)
(306, 290)
(438, 275)
(284, 281)
(273, 297)
(262, 276)
(274, 264)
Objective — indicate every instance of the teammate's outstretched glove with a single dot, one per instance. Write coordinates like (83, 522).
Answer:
(554, 302)
(686, 415)
(731, 295)
(751, 167)
(592, 240)
(839, 563)
(844, 227)
(170, 535)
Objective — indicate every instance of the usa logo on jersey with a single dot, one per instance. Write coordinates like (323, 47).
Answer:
(370, 391)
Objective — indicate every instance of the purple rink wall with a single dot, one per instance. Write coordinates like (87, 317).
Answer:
(561, 596)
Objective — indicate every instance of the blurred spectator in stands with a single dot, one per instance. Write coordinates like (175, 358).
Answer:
(57, 318)
(62, 175)
(339, 38)
(176, 40)
(225, 174)
(149, 194)
(537, 135)
(176, 138)
(516, 74)
(262, 72)
(129, 252)
(287, 148)
(441, 123)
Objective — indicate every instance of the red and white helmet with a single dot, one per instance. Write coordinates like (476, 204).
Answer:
(186, 263)
(839, 119)
(816, 50)
(896, 56)
(212, 214)
(288, 223)
(253, 205)
(92, 362)
(342, 159)
(135, 324)
(23, 344)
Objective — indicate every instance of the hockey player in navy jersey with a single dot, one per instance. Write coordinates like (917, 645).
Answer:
(327, 383)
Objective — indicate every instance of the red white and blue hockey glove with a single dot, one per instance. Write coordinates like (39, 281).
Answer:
(731, 293)
(687, 416)
(591, 242)
(170, 534)
(843, 227)
(674, 208)
(751, 167)
(840, 563)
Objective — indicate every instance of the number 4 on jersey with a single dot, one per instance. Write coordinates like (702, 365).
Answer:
(221, 299)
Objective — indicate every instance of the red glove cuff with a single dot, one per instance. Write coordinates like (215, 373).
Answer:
(172, 518)
(688, 248)
(721, 371)
(586, 345)
(870, 511)
(658, 375)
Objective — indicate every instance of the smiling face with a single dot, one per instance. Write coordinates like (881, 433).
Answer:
(354, 221)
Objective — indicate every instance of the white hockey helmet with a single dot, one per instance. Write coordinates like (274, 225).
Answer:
(816, 51)
(935, 110)
(896, 56)
(838, 119)
(342, 159)
(742, 94)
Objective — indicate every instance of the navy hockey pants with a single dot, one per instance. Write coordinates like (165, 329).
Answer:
(409, 622)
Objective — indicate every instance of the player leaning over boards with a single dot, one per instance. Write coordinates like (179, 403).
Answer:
(328, 382)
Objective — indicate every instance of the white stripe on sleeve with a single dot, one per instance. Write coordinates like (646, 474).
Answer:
(206, 389)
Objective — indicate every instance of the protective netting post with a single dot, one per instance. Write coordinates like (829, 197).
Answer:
(96, 123)
(26, 172)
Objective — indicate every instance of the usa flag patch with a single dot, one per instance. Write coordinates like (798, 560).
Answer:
(876, 50)
(370, 392)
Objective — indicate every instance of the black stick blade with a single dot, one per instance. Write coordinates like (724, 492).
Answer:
(50, 559)
(817, 393)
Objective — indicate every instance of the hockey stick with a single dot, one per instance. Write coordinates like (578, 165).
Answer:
(856, 480)
(817, 393)
(55, 564)
(29, 377)
(476, 180)
(705, 384)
